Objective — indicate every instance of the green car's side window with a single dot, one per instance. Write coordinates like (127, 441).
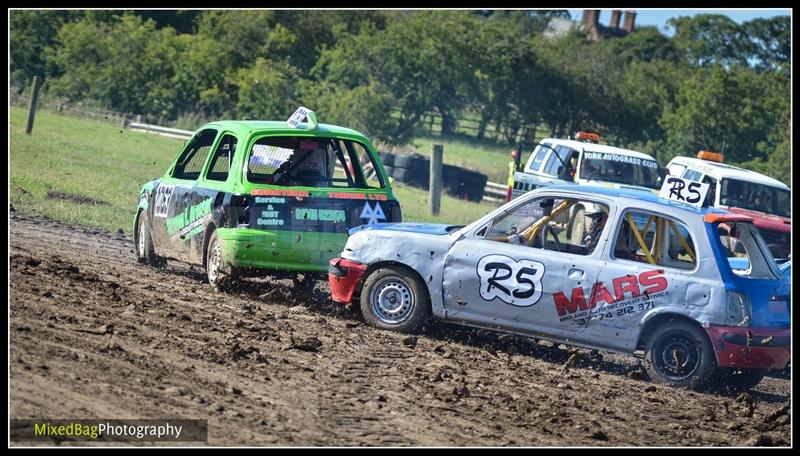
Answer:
(193, 158)
(222, 159)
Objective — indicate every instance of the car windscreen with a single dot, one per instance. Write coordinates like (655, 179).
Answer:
(621, 169)
(757, 197)
(312, 162)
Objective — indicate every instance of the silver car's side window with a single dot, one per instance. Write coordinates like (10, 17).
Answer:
(552, 223)
(654, 239)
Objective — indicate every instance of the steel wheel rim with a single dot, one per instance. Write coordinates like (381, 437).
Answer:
(677, 356)
(392, 300)
(213, 261)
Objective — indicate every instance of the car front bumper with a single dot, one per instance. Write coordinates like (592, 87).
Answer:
(344, 277)
(750, 348)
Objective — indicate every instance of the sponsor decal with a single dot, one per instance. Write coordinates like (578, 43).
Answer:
(277, 192)
(189, 222)
(270, 200)
(621, 158)
(641, 289)
(361, 196)
(324, 215)
(163, 198)
(518, 283)
(373, 215)
(270, 217)
(684, 190)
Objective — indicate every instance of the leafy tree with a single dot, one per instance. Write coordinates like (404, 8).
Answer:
(425, 60)
(736, 107)
(267, 90)
(31, 34)
(645, 44)
(710, 38)
(769, 41)
(366, 108)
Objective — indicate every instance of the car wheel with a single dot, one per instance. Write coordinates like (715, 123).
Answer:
(220, 275)
(145, 252)
(735, 379)
(680, 354)
(394, 298)
(578, 230)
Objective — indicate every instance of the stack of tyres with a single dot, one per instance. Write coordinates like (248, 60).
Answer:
(414, 170)
(463, 183)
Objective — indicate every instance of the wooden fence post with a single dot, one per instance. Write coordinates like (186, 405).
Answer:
(32, 105)
(435, 187)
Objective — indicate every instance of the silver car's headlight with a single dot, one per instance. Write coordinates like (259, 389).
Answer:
(739, 309)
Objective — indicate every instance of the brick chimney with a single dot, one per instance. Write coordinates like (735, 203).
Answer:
(615, 16)
(591, 18)
(629, 21)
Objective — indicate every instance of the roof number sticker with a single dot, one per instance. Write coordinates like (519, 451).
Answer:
(684, 190)
(299, 115)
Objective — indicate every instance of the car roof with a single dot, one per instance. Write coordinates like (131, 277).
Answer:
(592, 147)
(723, 170)
(631, 198)
(275, 126)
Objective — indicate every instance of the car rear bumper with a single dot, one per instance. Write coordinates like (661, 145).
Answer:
(344, 277)
(750, 348)
(280, 250)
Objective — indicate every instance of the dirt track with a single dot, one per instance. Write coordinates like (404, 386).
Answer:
(96, 335)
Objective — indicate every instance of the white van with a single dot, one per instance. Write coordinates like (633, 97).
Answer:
(585, 162)
(766, 200)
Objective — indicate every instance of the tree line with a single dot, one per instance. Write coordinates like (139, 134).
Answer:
(714, 84)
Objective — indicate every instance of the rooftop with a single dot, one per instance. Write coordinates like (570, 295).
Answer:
(276, 126)
(592, 147)
(723, 170)
(635, 195)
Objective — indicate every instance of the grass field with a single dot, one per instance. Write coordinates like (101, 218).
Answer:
(89, 173)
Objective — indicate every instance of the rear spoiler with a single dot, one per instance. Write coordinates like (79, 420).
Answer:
(716, 217)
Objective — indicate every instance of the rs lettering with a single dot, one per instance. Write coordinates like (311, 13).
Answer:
(493, 282)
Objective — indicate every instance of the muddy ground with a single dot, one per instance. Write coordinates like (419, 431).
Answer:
(96, 335)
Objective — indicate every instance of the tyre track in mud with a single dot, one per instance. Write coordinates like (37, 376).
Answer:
(96, 335)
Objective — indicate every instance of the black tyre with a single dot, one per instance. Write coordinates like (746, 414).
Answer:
(394, 298)
(221, 276)
(387, 158)
(679, 354)
(409, 161)
(407, 177)
(145, 252)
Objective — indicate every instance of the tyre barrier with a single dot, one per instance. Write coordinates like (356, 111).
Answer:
(414, 170)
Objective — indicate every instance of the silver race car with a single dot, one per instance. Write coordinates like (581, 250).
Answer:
(650, 277)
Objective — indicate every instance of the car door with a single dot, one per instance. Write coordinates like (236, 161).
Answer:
(496, 277)
(651, 264)
(208, 194)
(172, 214)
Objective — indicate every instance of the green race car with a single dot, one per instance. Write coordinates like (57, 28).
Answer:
(248, 197)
